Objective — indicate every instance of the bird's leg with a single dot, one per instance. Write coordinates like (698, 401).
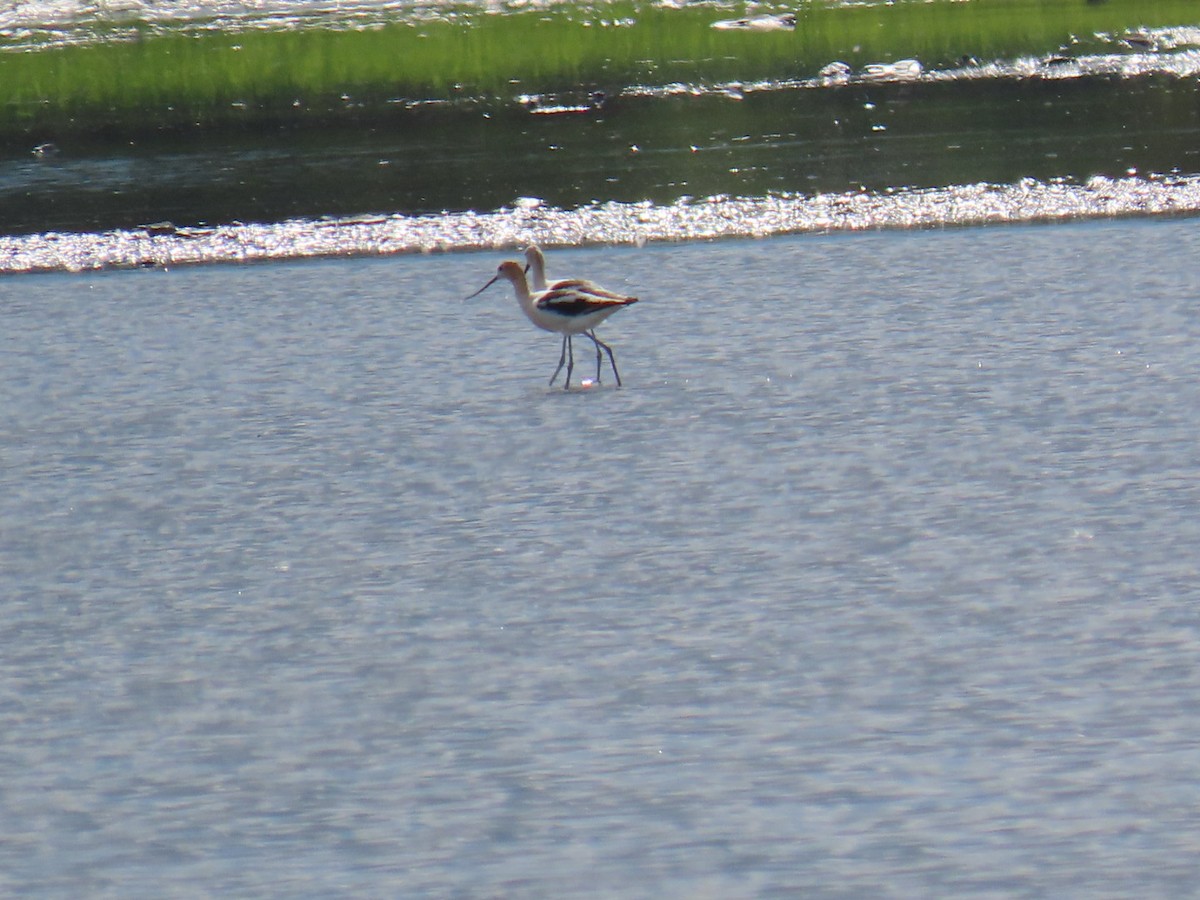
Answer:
(561, 359)
(607, 349)
(570, 363)
(599, 358)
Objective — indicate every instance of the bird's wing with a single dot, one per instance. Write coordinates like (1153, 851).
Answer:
(575, 302)
(586, 287)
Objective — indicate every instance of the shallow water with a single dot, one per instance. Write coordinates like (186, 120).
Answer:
(878, 577)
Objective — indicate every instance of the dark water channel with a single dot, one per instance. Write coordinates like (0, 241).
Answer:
(623, 147)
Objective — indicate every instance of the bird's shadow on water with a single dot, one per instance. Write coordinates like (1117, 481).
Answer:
(577, 390)
(632, 395)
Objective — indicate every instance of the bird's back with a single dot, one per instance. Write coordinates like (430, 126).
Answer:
(570, 310)
(583, 286)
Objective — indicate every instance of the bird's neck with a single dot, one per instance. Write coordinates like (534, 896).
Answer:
(537, 269)
(524, 296)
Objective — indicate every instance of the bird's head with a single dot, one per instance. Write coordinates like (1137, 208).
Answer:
(507, 269)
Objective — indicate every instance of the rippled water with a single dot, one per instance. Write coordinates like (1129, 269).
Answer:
(877, 578)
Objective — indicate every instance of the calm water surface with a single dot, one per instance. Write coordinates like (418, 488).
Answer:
(878, 577)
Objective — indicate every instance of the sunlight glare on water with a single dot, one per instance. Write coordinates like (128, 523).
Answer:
(609, 223)
(49, 22)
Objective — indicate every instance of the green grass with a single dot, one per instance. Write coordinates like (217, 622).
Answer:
(214, 78)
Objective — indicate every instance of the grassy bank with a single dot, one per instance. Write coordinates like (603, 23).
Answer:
(216, 78)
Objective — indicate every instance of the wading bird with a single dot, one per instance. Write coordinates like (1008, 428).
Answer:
(565, 307)
(535, 268)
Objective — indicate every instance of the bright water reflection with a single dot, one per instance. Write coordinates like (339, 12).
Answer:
(878, 578)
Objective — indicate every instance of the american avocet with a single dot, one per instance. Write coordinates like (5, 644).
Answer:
(566, 308)
(535, 267)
